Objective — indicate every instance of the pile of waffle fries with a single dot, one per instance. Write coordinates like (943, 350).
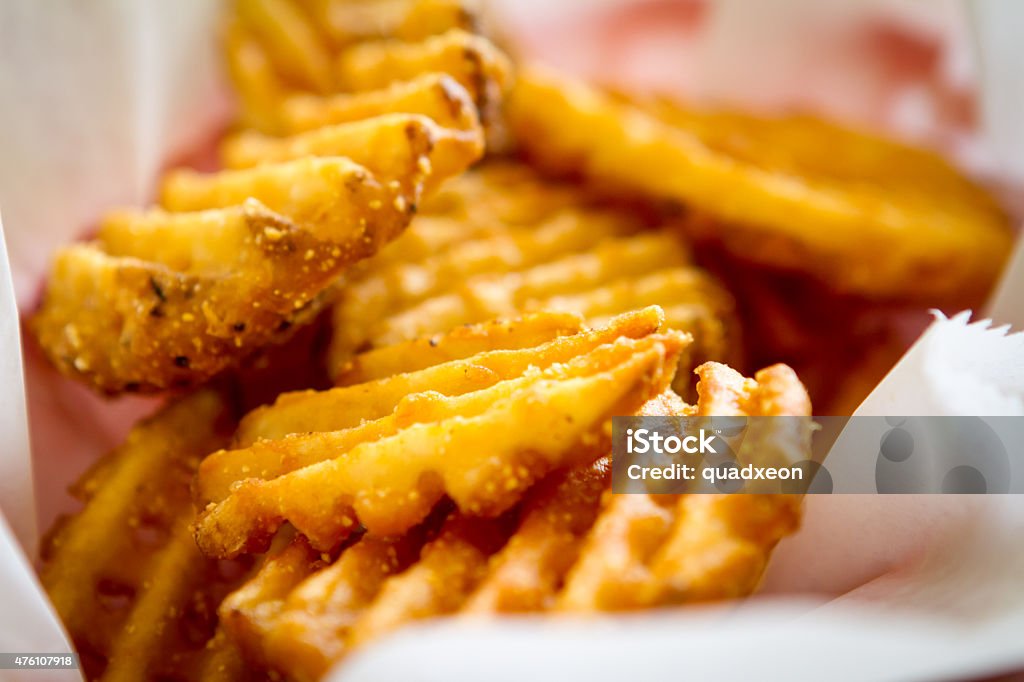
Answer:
(504, 260)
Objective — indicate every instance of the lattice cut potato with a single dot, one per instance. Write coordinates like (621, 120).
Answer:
(568, 546)
(500, 241)
(233, 260)
(862, 214)
(284, 55)
(137, 598)
(387, 469)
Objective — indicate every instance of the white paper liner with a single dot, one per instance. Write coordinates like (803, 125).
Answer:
(947, 618)
(27, 622)
(16, 489)
(955, 368)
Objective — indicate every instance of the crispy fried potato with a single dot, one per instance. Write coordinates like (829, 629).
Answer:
(299, 626)
(370, 142)
(647, 550)
(495, 295)
(471, 60)
(568, 546)
(167, 299)
(351, 22)
(307, 411)
(245, 613)
(390, 288)
(426, 351)
(267, 459)
(527, 574)
(552, 268)
(448, 570)
(502, 194)
(874, 219)
(390, 484)
(435, 95)
(298, 53)
(124, 574)
(275, 49)
(163, 300)
(257, 86)
(476, 253)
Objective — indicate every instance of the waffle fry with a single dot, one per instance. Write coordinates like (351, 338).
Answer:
(124, 573)
(866, 216)
(267, 459)
(471, 60)
(349, 406)
(569, 545)
(575, 259)
(297, 610)
(648, 550)
(434, 95)
(289, 40)
(496, 195)
(300, 38)
(235, 259)
(447, 571)
(527, 574)
(463, 342)
(297, 616)
(410, 20)
(277, 48)
(388, 474)
(369, 143)
(257, 86)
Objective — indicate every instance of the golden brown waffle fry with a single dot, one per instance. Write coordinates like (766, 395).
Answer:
(256, 85)
(570, 258)
(462, 342)
(528, 572)
(170, 297)
(867, 216)
(365, 412)
(369, 142)
(277, 47)
(647, 550)
(345, 407)
(497, 195)
(471, 60)
(124, 573)
(285, 621)
(298, 617)
(573, 547)
(290, 40)
(435, 95)
(390, 483)
(245, 611)
(448, 570)
(556, 285)
(299, 37)
(349, 22)
(390, 290)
